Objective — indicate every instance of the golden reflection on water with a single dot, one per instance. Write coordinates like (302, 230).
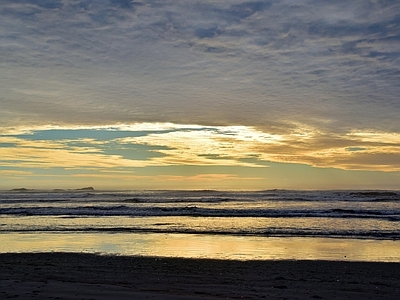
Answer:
(204, 246)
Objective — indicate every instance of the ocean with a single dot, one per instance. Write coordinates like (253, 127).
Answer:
(229, 224)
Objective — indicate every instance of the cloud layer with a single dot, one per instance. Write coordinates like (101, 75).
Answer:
(311, 82)
(260, 63)
(146, 145)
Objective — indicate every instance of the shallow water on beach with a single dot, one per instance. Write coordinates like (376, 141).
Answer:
(204, 246)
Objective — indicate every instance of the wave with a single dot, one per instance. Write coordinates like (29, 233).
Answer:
(354, 234)
(193, 211)
(352, 214)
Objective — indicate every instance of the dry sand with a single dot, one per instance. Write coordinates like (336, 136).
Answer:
(89, 276)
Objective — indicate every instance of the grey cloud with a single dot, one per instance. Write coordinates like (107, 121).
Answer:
(245, 9)
(384, 55)
(342, 31)
(263, 63)
(356, 27)
(49, 4)
(125, 3)
(26, 13)
(92, 4)
(207, 32)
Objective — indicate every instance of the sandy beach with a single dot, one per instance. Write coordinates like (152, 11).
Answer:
(90, 276)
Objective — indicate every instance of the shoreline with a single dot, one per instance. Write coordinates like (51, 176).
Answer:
(91, 276)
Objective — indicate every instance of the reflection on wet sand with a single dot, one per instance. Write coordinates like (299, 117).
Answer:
(205, 246)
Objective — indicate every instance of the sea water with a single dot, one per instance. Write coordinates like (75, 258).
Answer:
(272, 224)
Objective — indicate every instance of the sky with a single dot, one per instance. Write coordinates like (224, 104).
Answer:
(183, 94)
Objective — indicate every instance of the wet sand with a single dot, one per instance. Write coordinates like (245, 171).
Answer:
(90, 276)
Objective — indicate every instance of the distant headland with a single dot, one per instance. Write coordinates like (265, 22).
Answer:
(89, 188)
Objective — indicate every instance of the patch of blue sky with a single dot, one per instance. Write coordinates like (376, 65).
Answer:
(71, 134)
(352, 149)
(12, 161)
(99, 134)
(7, 145)
(12, 168)
(127, 151)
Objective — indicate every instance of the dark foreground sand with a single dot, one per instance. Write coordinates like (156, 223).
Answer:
(87, 276)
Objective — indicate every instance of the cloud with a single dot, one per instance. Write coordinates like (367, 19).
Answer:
(15, 173)
(46, 4)
(160, 145)
(125, 3)
(306, 80)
